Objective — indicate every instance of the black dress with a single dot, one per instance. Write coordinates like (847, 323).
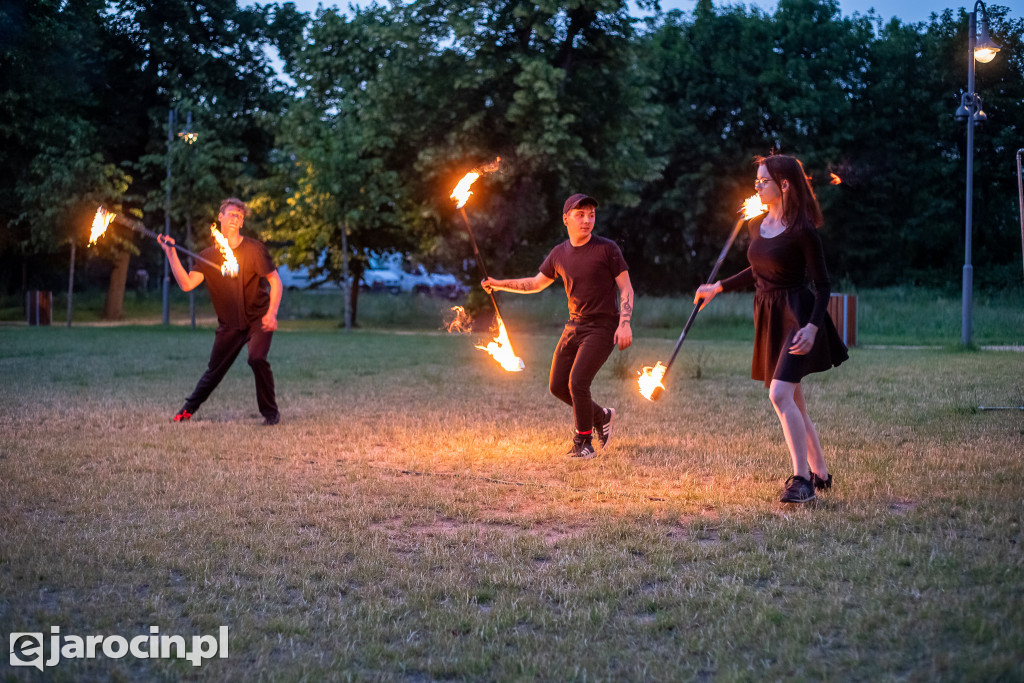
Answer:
(781, 268)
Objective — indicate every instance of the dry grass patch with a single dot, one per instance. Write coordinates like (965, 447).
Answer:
(413, 517)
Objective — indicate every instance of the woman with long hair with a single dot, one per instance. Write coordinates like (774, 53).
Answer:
(793, 334)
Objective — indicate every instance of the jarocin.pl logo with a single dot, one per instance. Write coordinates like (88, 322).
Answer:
(27, 648)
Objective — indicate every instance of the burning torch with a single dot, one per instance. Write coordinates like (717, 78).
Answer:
(501, 348)
(103, 218)
(650, 380)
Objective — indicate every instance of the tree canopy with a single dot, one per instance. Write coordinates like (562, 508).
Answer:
(659, 118)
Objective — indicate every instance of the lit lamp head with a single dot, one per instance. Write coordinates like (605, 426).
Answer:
(985, 49)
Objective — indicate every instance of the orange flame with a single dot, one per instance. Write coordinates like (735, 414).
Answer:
(461, 323)
(836, 180)
(99, 224)
(752, 207)
(501, 350)
(650, 379)
(461, 193)
(230, 266)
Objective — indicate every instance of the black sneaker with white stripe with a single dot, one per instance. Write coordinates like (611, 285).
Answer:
(582, 448)
(604, 430)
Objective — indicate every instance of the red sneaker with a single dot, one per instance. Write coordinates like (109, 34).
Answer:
(183, 415)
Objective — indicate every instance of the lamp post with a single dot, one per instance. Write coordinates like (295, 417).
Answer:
(171, 116)
(189, 138)
(983, 49)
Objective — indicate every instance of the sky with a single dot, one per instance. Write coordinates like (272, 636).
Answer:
(907, 10)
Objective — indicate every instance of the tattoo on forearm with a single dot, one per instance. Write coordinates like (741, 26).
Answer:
(626, 311)
(519, 285)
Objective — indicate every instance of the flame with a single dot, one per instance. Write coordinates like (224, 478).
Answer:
(461, 193)
(501, 350)
(230, 266)
(752, 207)
(99, 224)
(650, 379)
(836, 180)
(461, 323)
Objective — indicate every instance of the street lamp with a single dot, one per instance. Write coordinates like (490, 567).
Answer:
(189, 138)
(983, 49)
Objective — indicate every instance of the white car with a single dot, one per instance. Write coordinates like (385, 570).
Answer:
(298, 278)
(378, 280)
(416, 279)
(413, 277)
(447, 285)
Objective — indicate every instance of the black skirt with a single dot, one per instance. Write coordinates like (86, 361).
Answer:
(778, 314)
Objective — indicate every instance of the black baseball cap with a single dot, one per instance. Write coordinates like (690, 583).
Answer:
(577, 200)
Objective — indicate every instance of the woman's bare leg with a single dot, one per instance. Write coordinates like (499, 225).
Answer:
(815, 454)
(794, 427)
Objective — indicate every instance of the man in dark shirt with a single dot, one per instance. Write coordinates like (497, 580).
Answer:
(246, 311)
(592, 269)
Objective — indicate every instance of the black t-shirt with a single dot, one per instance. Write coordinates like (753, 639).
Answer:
(242, 300)
(589, 274)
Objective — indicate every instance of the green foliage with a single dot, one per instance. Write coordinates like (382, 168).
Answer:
(419, 94)
(659, 119)
(871, 103)
(216, 71)
(90, 86)
(54, 162)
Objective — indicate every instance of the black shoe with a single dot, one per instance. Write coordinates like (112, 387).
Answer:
(183, 415)
(582, 449)
(272, 420)
(821, 484)
(604, 430)
(798, 490)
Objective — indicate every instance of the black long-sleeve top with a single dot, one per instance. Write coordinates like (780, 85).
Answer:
(787, 261)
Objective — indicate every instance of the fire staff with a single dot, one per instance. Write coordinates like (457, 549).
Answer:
(592, 269)
(246, 310)
(793, 334)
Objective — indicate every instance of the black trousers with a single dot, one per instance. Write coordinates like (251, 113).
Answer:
(582, 349)
(227, 344)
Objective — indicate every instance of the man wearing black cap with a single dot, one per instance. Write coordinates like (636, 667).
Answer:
(593, 270)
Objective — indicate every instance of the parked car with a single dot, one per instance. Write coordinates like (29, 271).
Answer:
(299, 278)
(414, 277)
(379, 280)
(447, 285)
(374, 278)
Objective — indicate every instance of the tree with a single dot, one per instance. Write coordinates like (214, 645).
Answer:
(908, 157)
(203, 59)
(52, 137)
(67, 123)
(333, 193)
(419, 94)
(735, 83)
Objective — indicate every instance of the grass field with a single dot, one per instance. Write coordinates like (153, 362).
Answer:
(413, 518)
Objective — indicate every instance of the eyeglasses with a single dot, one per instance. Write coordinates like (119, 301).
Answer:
(761, 181)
